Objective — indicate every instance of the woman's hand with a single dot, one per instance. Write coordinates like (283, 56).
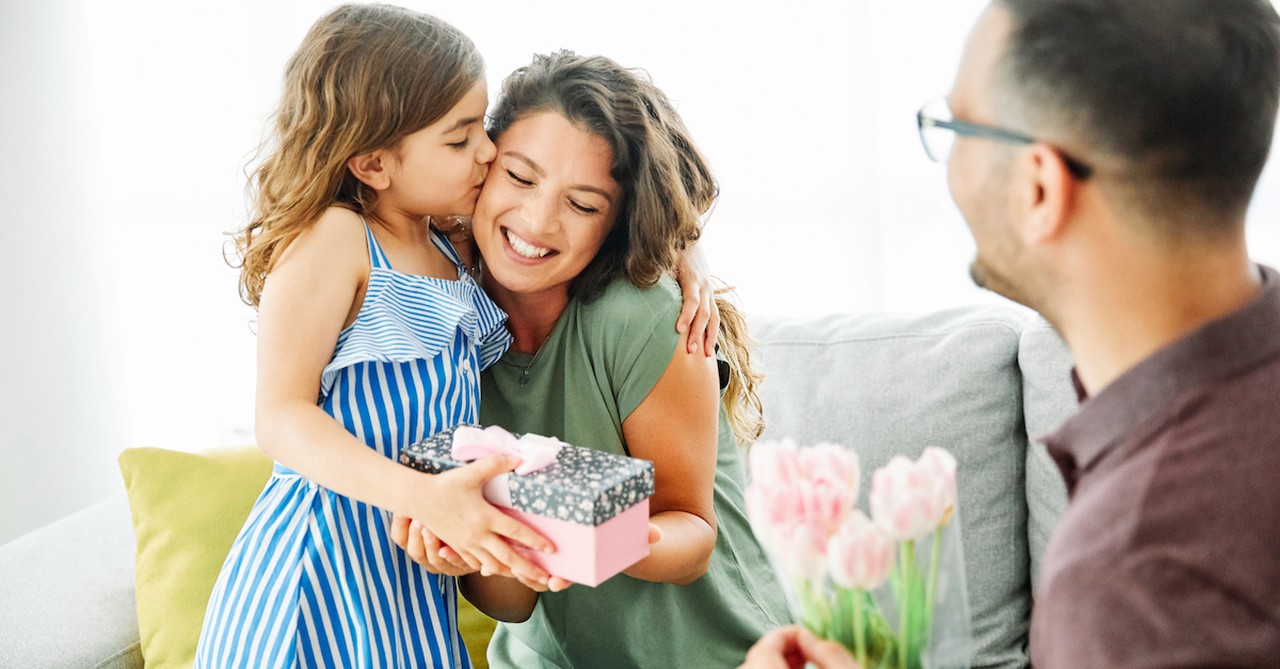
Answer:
(699, 317)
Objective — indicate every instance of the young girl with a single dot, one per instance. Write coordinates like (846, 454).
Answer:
(372, 335)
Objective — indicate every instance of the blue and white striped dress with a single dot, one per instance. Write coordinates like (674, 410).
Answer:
(313, 579)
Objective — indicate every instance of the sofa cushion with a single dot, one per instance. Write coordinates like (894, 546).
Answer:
(886, 384)
(1049, 399)
(187, 510)
(67, 597)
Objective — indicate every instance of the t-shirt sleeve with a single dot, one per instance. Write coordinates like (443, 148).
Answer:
(635, 329)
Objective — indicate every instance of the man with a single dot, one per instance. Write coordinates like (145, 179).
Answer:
(1104, 154)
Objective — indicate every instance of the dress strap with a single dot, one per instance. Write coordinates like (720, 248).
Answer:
(447, 249)
(376, 257)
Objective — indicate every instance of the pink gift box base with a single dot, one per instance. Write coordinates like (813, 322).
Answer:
(589, 555)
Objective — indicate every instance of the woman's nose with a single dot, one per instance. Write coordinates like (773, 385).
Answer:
(538, 211)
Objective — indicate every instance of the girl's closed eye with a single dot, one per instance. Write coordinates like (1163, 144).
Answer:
(461, 145)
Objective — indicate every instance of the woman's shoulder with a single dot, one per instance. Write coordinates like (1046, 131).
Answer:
(623, 300)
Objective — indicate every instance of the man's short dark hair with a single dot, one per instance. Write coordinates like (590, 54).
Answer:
(1182, 92)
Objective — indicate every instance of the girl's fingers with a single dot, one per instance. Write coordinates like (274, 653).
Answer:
(473, 563)
(556, 584)
(517, 565)
(492, 565)
(517, 531)
(713, 331)
(698, 330)
(399, 530)
(413, 546)
(689, 311)
(452, 557)
(447, 559)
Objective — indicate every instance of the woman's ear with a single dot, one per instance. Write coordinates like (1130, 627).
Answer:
(1049, 195)
(371, 169)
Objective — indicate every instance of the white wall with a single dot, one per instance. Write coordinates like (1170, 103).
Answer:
(60, 419)
(127, 126)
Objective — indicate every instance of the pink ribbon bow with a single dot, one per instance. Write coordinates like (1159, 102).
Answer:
(534, 450)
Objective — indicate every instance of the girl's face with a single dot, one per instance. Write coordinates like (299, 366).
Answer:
(438, 171)
(547, 205)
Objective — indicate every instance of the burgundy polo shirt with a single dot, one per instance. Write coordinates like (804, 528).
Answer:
(1168, 554)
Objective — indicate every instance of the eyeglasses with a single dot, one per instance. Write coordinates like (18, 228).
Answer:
(938, 129)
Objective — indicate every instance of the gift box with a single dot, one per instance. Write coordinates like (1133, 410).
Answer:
(593, 506)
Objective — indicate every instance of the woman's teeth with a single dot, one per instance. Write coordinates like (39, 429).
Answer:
(525, 248)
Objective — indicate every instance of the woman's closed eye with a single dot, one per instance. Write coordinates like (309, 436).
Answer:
(519, 179)
(583, 208)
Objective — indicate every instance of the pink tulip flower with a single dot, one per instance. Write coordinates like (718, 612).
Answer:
(803, 551)
(940, 466)
(831, 462)
(773, 509)
(904, 500)
(860, 554)
(774, 463)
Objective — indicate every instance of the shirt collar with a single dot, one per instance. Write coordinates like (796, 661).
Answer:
(1217, 350)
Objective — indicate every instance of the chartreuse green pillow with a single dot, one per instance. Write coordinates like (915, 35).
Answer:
(187, 509)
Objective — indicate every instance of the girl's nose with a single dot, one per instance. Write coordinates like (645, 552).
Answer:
(486, 151)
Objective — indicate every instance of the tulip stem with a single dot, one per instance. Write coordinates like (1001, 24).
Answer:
(859, 635)
(904, 608)
(817, 613)
(933, 582)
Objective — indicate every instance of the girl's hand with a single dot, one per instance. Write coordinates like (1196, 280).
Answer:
(474, 529)
(699, 317)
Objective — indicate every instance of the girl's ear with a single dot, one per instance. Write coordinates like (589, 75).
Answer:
(371, 169)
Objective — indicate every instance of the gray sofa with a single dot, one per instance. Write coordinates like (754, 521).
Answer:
(980, 381)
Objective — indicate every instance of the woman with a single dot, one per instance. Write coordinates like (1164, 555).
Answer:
(595, 191)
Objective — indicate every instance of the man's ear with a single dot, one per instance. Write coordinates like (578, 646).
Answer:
(371, 169)
(1049, 195)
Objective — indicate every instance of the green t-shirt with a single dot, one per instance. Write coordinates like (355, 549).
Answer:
(599, 363)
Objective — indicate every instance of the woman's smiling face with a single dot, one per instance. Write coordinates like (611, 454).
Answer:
(547, 205)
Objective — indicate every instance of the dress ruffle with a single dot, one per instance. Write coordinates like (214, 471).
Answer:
(408, 317)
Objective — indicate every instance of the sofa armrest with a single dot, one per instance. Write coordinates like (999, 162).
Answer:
(1048, 400)
(67, 597)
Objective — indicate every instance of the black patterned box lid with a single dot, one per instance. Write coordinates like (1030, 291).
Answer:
(583, 486)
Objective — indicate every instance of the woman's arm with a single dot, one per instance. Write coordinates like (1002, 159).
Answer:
(499, 597)
(676, 428)
(312, 291)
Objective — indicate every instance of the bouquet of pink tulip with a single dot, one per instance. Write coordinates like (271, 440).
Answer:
(889, 587)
